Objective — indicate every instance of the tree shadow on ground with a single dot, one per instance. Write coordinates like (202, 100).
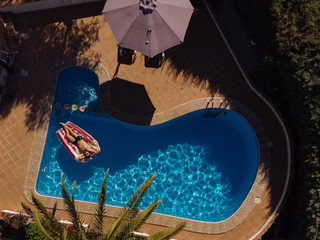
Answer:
(197, 58)
(203, 59)
(48, 44)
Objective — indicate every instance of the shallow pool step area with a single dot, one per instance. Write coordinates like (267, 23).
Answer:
(75, 107)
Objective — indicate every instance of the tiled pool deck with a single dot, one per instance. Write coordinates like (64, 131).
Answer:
(196, 73)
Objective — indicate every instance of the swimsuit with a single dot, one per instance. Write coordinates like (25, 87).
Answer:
(77, 139)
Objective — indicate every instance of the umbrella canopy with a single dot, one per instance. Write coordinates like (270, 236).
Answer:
(148, 26)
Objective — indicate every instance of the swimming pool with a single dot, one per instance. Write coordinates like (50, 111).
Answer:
(205, 166)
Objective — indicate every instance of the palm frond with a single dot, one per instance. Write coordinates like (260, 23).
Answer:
(41, 207)
(71, 208)
(26, 208)
(83, 235)
(49, 217)
(112, 230)
(131, 206)
(54, 209)
(73, 188)
(134, 201)
(41, 228)
(64, 234)
(168, 233)
(136, 222)
(101, 209)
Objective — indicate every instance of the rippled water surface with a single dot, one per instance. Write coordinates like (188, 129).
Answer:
(205, 166)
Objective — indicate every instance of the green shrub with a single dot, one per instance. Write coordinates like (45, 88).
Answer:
(33, 233)
(298, 27)
(265, 67)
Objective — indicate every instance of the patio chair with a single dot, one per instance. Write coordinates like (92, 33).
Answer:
(154, 62)
(126, 55)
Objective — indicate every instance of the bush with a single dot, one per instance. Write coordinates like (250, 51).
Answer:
(33, 233)
(298, 26)
(265, 67)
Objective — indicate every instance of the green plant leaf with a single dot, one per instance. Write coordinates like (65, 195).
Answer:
(131, 207)
(71, 209)
(168, 233)
(136, 222)
(26, 208)
(41, 228)
(101, 209)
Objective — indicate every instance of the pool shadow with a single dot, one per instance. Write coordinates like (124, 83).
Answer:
(126, 101)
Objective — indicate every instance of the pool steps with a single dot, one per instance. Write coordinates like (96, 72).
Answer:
(210, 114)
(75, 107)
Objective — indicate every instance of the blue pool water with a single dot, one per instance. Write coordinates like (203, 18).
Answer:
(205, 166)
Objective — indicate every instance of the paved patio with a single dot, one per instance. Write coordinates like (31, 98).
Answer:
(201, 67)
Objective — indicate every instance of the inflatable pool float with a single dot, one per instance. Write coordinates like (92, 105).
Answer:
(73, 149)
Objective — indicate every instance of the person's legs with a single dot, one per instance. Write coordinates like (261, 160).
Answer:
(71, 132)
(69, 135)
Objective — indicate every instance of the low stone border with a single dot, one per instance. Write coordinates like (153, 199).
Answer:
(249, 203)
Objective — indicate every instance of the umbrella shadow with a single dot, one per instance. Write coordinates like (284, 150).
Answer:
(130, 97)
(126, 101)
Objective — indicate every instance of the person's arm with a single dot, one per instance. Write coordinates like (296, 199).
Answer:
(93, 147)
(92, 154)
(80, 157)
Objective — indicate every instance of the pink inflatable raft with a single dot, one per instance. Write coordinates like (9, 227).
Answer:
(73, 149)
